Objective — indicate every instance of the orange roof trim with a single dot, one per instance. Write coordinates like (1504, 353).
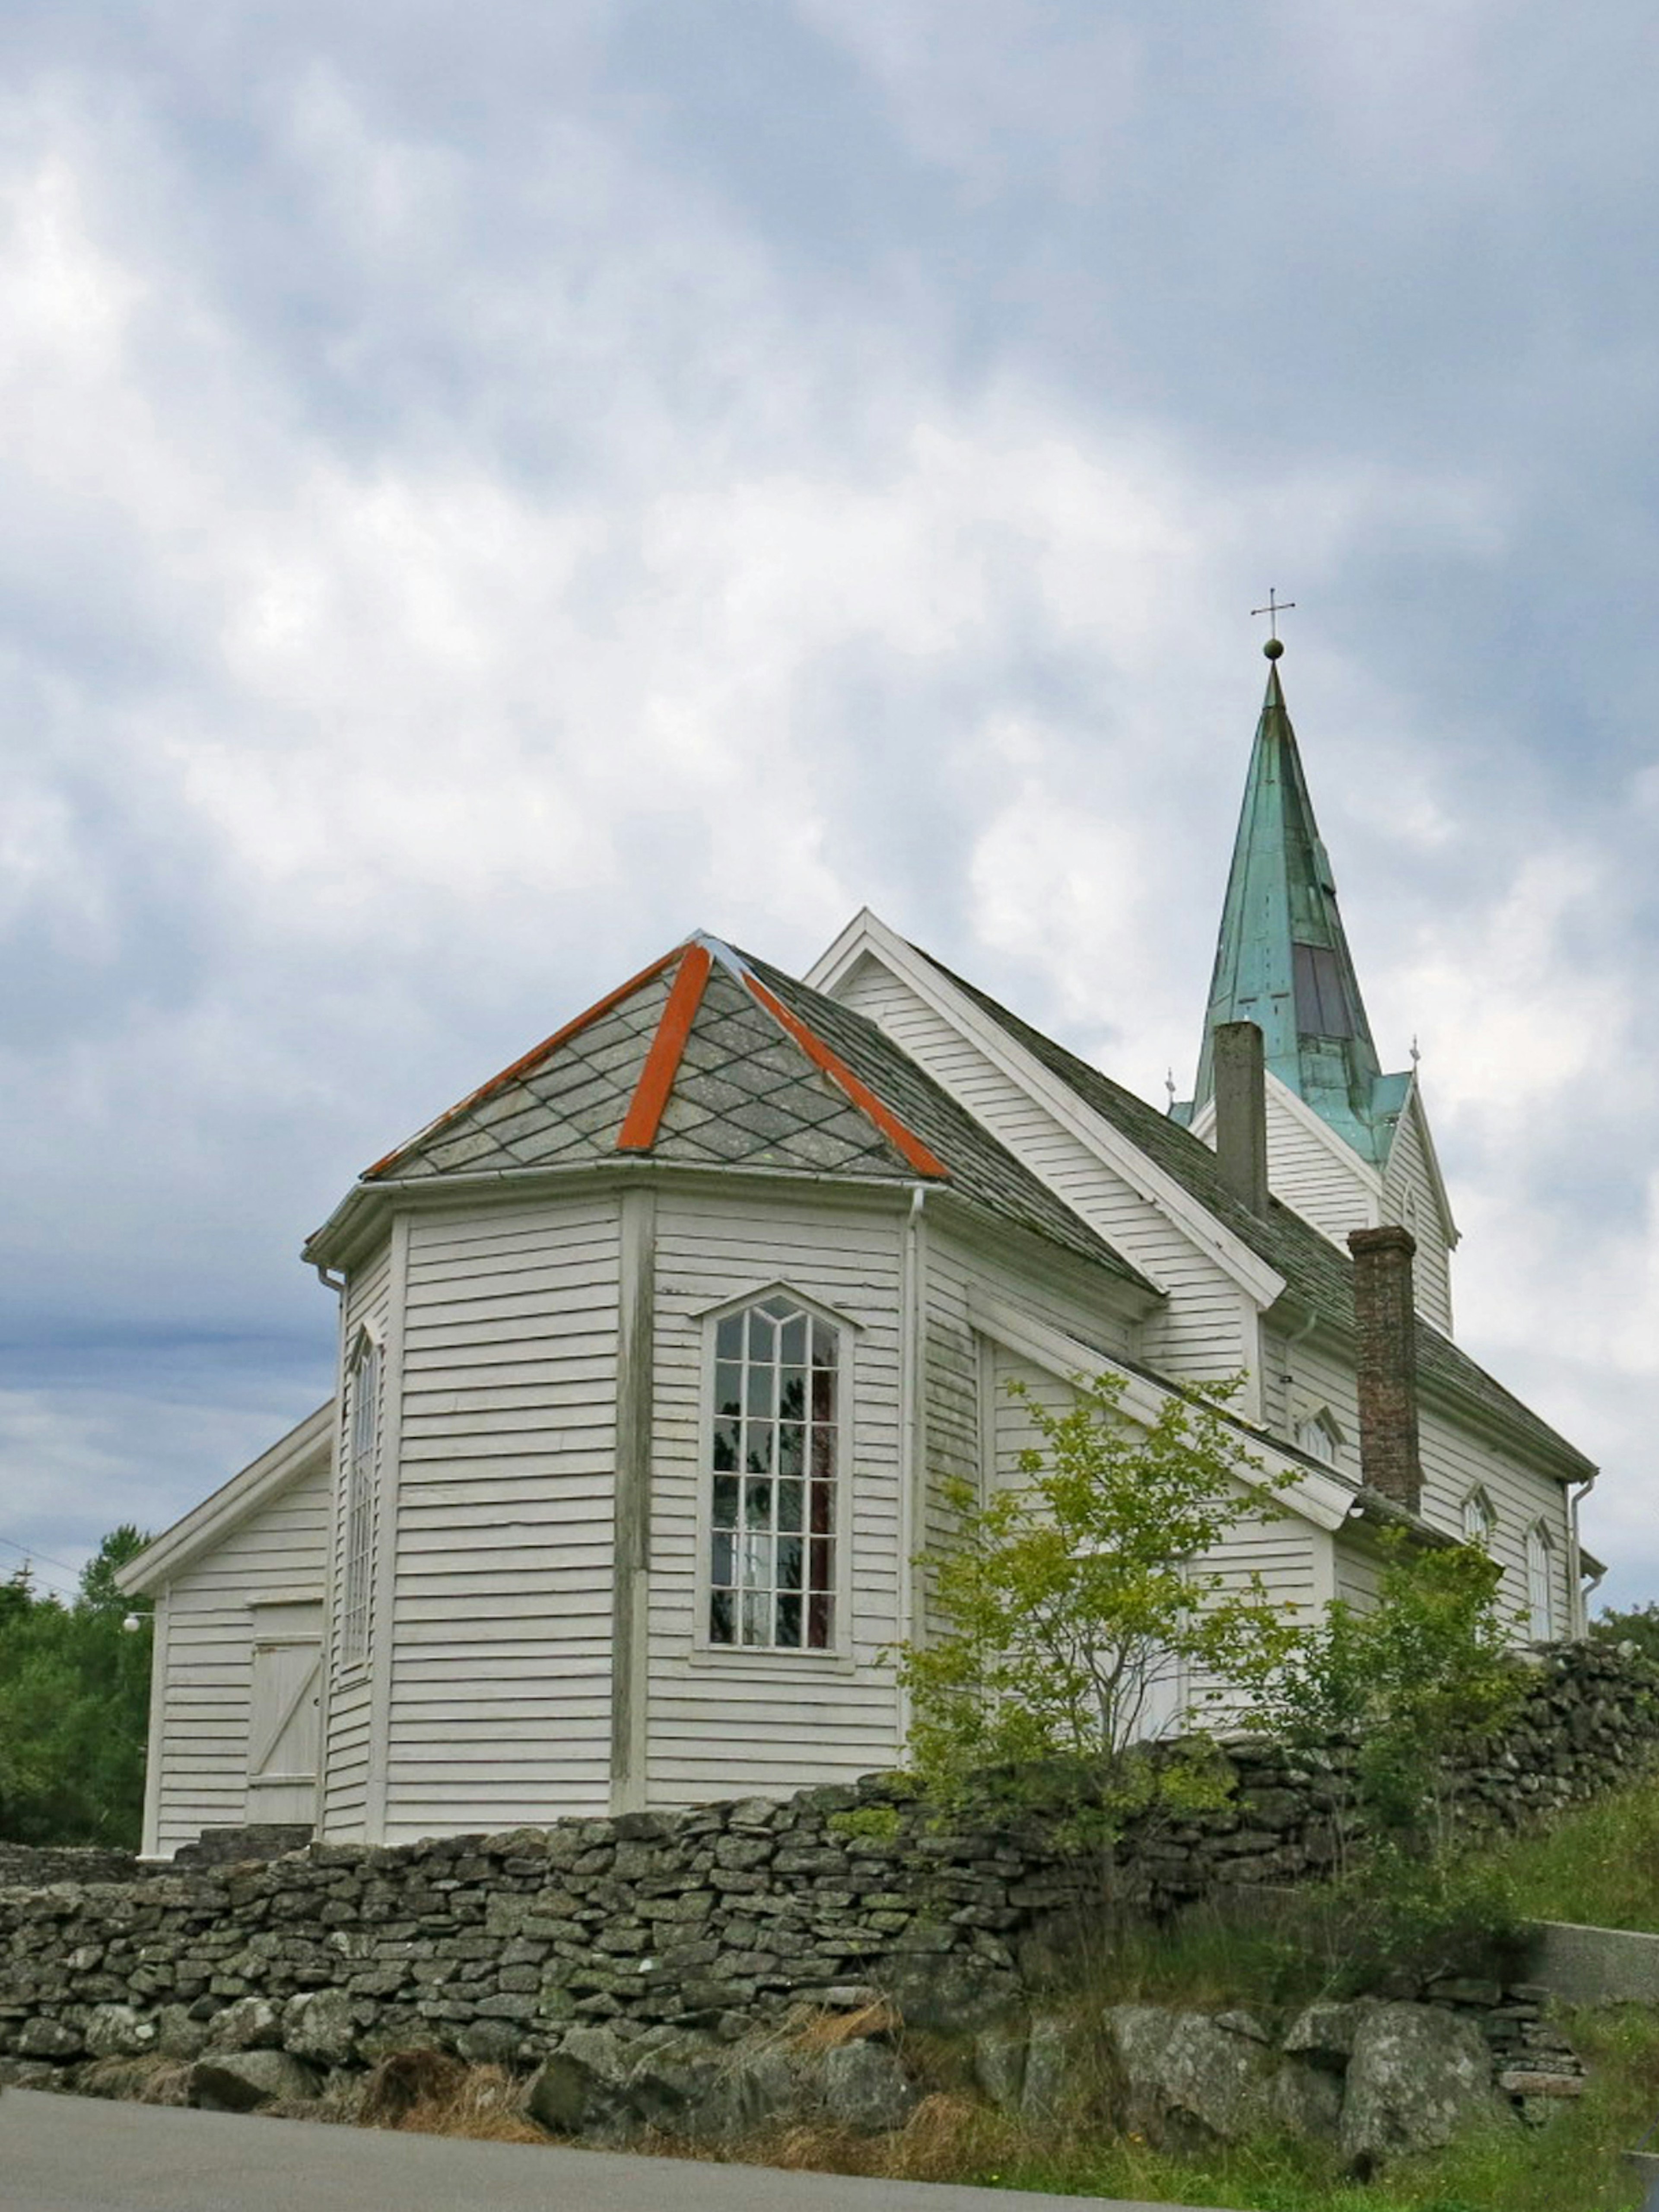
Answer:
(522, 1067)
(662, 1062)
(862, 1097)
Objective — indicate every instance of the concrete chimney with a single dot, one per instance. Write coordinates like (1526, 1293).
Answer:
(1386, 1318)
(1241, 1112)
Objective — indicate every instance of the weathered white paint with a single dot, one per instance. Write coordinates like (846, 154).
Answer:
(1412, 1194)
(498, 1627)
(206, 1660)
(1456, 1459)
(344, 1797)
(1204, 1330)
(284, 1709)
(726, 1721)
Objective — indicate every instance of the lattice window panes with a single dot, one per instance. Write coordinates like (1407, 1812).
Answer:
(1540, 1584)
(356, 1566)
(1479, 1521)
(775, 1466)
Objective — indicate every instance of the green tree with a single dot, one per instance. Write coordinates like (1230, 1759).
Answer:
(1067, 1606)
(74, 1706)
(1637, 1623)
(1407, 1691)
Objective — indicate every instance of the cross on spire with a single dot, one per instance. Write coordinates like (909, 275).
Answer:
(1275, 608)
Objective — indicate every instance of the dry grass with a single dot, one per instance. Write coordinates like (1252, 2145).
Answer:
(485, 2107)
(149, 2080)
(431, 2093)
(814, 2031)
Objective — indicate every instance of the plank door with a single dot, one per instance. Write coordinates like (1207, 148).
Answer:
(283, 1712)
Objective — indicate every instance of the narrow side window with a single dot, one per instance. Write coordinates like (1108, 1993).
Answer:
(1480, 1521)
(1318, 1435)
(774, 1462)
(1540, 1584)
(362, 1436)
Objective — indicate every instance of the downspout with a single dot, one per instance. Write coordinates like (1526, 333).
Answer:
(1579, 1595)
(912, 1435)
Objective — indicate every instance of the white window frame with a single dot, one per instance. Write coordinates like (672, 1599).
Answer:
(1480, 1520)
(1540, 1584)
(360, 1452)
(1317, 1422)
(837, 1653)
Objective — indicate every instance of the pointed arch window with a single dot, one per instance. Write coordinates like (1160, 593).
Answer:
(362, 1437)
(775, 1472)
(1479, 1521)
(1540, 1584)
(1317, 1435)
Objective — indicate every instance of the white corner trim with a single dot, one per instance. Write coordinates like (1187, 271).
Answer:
(867, 934)
(1325, 1502)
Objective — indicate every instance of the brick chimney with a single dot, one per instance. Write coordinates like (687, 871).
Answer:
(1386, 1318)
(1241, 1112)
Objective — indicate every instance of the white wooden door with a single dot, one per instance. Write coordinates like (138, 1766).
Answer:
(282, 1715)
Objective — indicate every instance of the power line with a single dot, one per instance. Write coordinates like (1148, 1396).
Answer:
(30, 1556)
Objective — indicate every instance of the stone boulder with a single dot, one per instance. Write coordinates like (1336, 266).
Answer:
(118, 2031)
(242, 2081)
(178, 2034)
(864, 2087)
(319, 2026)
(1000, 2065)
(1062, 2077)
(669, 2081)
(250, 2024)
(1189, 2081)
(1324, 2034)
(1417, 2076)
(50, 2038)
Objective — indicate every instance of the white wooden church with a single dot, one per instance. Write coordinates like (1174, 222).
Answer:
(654, 1351)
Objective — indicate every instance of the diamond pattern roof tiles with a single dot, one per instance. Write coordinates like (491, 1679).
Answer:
(714, 1060)
(566, 1108)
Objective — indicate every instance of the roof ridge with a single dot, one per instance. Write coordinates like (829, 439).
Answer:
(522, 1065)
(1281, 1236)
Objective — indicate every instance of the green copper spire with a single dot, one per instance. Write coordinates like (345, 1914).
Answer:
(1282, 961)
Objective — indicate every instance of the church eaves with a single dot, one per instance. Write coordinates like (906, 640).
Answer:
(1282, 958)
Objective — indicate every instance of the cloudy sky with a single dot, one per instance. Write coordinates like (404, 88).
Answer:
(487, 490)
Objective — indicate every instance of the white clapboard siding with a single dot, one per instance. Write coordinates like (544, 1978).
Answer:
(1201, 1333)
(1455, 1460)
(344, 1801)
(1356, 1574)
(1317, 1177)
(1280, 1550)
(721, 1723)
(1278, 1556)
(203, 1745)
(1409, 1195)
(499, 1706)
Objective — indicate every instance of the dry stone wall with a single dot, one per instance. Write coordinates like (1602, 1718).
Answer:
(496, 1947)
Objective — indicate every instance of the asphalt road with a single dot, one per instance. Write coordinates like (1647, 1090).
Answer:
(79, 2154)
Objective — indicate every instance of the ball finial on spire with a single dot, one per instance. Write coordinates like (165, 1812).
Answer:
(1275, 608)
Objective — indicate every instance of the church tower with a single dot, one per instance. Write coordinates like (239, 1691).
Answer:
(1348, 1146)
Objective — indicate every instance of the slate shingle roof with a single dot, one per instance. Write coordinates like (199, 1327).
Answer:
(1318, 1273)
(982, 1169)
(744, 1093)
